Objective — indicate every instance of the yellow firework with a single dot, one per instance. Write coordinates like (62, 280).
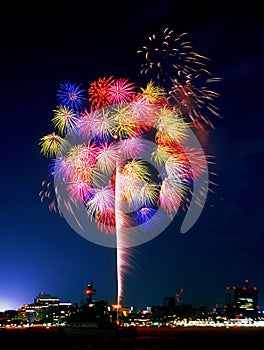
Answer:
(53, 145)
(137, 169)
(148, 194)
(170, 127)
(153, 93)
(161, 154)
(80, 163)
(123, 123)
(64, 119)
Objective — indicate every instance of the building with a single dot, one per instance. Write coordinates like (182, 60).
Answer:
(242, 302)
(46, 308)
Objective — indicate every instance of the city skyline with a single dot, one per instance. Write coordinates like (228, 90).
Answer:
(178, 297)
(39, 250)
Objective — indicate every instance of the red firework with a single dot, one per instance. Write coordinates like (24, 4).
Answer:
(99, 92)
(193, 100)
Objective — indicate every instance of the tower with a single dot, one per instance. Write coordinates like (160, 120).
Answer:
(89, 292)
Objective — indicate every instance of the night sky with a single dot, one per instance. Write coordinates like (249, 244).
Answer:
(43, 46)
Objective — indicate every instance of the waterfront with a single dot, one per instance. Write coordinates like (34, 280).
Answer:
(143, 338)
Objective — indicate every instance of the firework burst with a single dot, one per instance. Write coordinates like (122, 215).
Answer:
(53, 145)
(64, 119)
(121, 91)
(182, 76)
(99, 92)
(191, 97)
(71, 95)
(166, 54)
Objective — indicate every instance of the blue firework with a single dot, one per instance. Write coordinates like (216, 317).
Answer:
(71, 95)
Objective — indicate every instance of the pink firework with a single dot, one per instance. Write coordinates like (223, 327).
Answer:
(121, 91)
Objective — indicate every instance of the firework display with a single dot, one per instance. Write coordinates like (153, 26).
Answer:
(113, 136)
(102, 131)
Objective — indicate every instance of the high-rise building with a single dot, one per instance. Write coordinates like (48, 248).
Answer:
(242, 302)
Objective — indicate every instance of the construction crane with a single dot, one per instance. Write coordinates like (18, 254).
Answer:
(178, 296)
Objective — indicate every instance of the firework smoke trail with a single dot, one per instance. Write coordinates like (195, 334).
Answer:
(121, 261)
(105, 178)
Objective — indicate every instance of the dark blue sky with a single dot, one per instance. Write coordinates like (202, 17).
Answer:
(42, 47)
